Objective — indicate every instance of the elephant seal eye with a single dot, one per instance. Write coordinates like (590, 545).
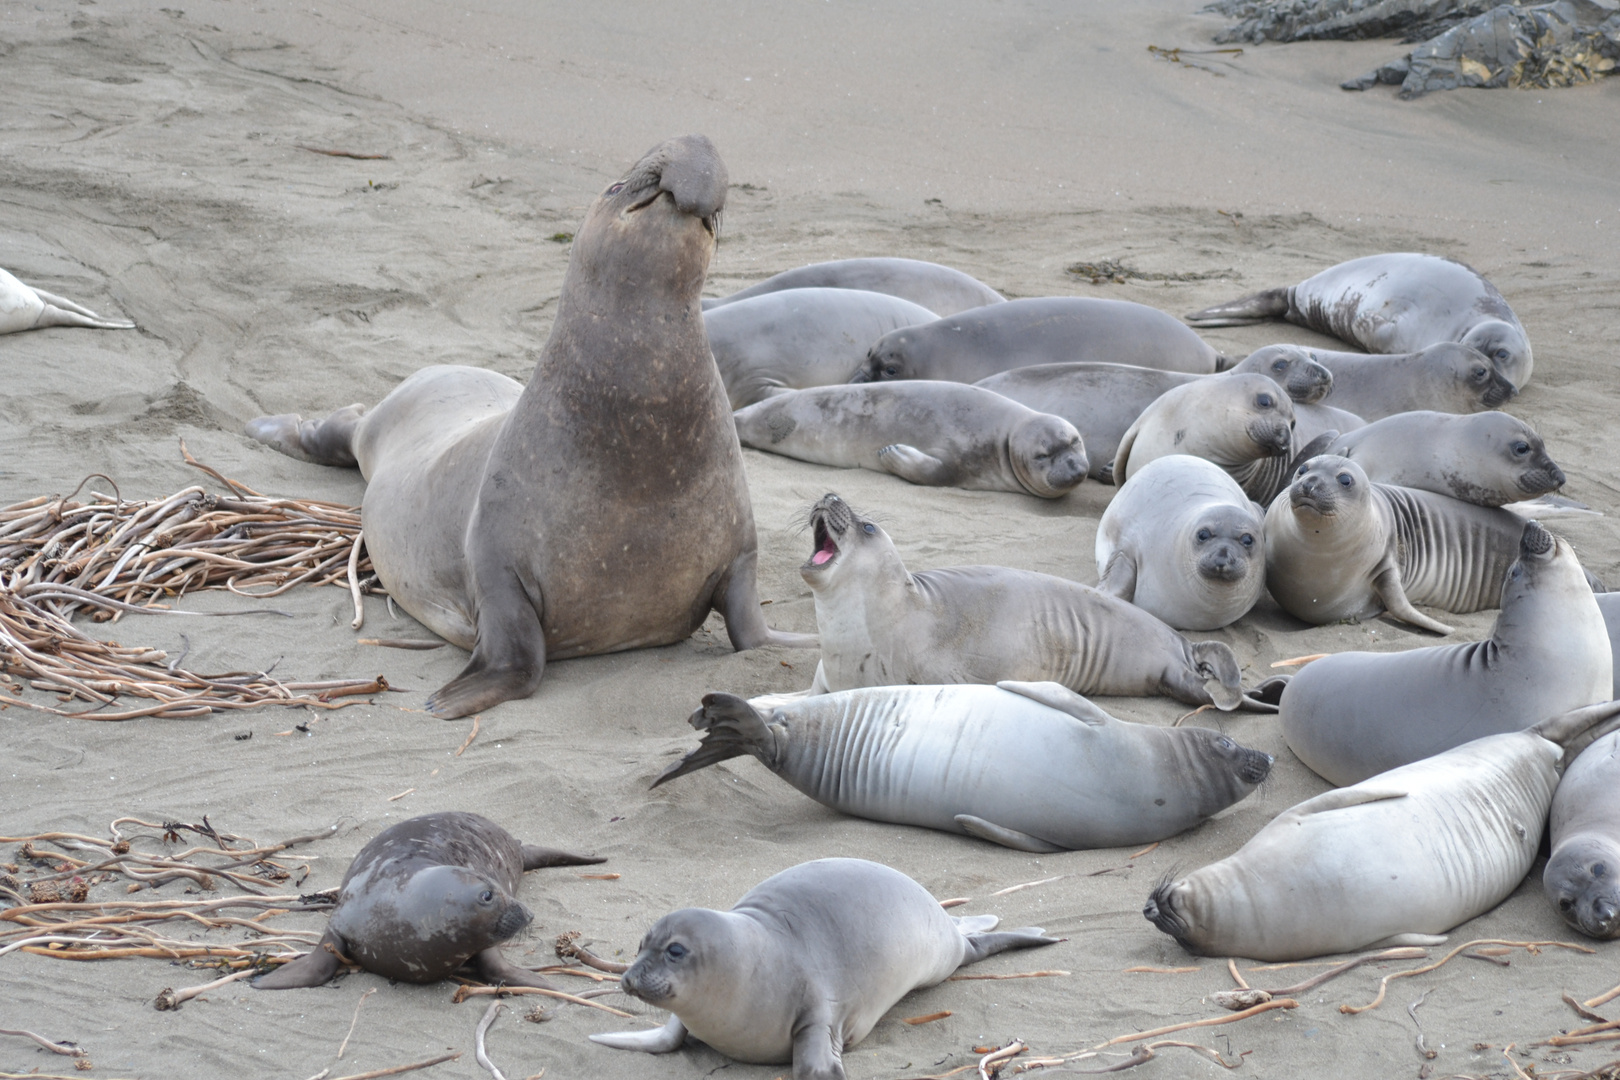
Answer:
(675, 950)
(1247, 539)
(870, 529)
(1204, 535)
(1346, 479)
(1264, 401)
(487, 895)
(616, 188)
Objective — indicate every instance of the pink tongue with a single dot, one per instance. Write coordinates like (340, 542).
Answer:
(821, 556)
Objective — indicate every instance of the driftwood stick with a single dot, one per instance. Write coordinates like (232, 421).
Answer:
(490, 1014)
(67, 1049)
(465, 992)
(1383, 984)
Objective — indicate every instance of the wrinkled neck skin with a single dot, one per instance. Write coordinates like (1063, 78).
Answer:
(861, 610)
(1205, 774)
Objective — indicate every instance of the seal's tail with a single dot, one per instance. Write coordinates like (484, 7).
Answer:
(1271, 304)
(535, 857)
(981, 945)
(731, 728)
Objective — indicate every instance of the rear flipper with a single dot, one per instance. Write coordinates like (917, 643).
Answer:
(1216, 679)
(658, 1041)
(1271, 304)
(535, 857)
(732, 727)
(996, 834)
(1266, 696)
(910, 463)
(60, 311)
(497, 970)
(324, 442)
(980, 946)
(312, 969)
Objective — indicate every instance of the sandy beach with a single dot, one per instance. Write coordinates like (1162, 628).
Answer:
(156, 163)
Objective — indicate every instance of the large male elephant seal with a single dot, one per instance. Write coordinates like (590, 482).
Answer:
(424, 897)
(1244, 424)
(803, 966)
(940, 289)
(881, 625)
(1031, 766)
(1182, 541)
(1395, 303)
(1353, 714)
(939, 434)
(1044, 330)
(1582, 878)
(1488, 459)
(1396, 859)
(1445, 378)
(602, 507)
(797, 338)
(23, 307)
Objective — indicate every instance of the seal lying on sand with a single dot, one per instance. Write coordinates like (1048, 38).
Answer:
(1487, 459)
(1609, 604)
(803, 966)
(23, 307)
(938, 434)
(1353, 714)
(424, 897)
(1031, 766)
(940, 289)
(1395, 303)
(1445, 378)
(1582, 878)
(602, 507)
(1244, 424)
(1396, 859)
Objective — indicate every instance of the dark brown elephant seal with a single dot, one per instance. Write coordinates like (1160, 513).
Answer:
(940, 289)
(602, 507)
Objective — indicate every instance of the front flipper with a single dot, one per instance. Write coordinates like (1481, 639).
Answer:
(1396, 940)
(1057, 696)
(497, 970)
(1119, 577)
(510, 656)
(658, 1041)
(535, 857)
(1341, 799)
(1012, 838)
(910, 463)
(314, 968)
(1392, 592)
(1266, 696)
(736, 598)
(818, 1053)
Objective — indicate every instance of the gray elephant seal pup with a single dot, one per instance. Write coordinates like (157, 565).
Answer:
(602, 507)
(1445, 378)
(1244, 424)
(23, 307)
(1609, 604)
(1049, 771)
(1351, 715)
(938, 434)
(1582, 878)
(976, 344)
(803, 966)
(1395, 303)
(1397, 859)
(424, 897)
(882, 626)
(1183, 542)
(940, 289)
(797, 338)
(1488, 459)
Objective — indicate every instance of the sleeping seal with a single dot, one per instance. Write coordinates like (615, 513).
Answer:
(939, 434)
(424, 897)
(1353, 714)
(1582, 878)
(1394, 303)
(1031, 766)
(1182, 541)
(25, 308)
(938, 288)
(803, 966)
(1487, 459)
(1445, 378)
(1243, 423)
(1402, 856)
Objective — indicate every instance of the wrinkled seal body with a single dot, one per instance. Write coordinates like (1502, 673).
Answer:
(1183, 542)
(939, 434)
(1487, 459)
(1243, 423)
(940, 289)
(1031, 766)
(1582, 878)
(1355, 714)
(797, 338)
(803, 966)
(23, 307)
(1444, 378)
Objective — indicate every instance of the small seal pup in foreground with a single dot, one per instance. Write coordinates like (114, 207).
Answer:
(1445, 378)
(1243, 423)
(603, 506)
(1353, 714)
(1394, 303)
(424, 897)
(23, 307)
(883, 626)
(803, 966)
(938, 434)
(1488, 458)
(940, 289)
(1182, 541)
(1030, 766)
(1397, 859)
(1582, 878)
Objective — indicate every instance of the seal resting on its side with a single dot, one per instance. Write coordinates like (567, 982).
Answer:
(1582, 878)
(1243, 423)
(1488, 458)
(940, 289)
(23, 307)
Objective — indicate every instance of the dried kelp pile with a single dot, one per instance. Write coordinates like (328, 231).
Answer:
(1343, 20)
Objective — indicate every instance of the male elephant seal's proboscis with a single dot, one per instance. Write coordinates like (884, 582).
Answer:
(602, 507)
(1400, 858)
(23, 307)
(1488, 459)
(1243, 423)
(803, 966)
(423, 898)
(1582, 878)
(940, 289)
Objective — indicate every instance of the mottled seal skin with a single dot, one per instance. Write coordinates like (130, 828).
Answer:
(1582, 878)
(797, 338)
(23, 307)
(1030, 766)
(1351, 715)
(976, 344)
(1244, 424)
(803, 966)
(1395, 303)
(601, 507)
(423, 898)
(1488, 459)
(1183, 542)
(938, 434)
(938, 288)
(882, 625)
(1445, 378)
(1397, 859)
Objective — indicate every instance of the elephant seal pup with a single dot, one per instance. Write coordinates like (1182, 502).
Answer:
(602, 507)
(976, 344)
(1396, 859)
(424, 897)
(1395, 303)
(1030, 766)
(938, 434)
(23, 307)
(1244, 424)
(1182, 541)
(1488, 459)
(1582, 878)
(797, 338)
(1445, 378)
(940, 289)
(1354, 714)
(1609, 604)
(803, 966)
(883, 626)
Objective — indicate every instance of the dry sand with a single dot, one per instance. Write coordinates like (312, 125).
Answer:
(150, 165)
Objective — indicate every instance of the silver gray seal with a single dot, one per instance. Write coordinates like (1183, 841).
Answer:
(1582, 878)
(1488, 459)
(940, 289)
(1243, 423)
(1445, 378)
(23, 307)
